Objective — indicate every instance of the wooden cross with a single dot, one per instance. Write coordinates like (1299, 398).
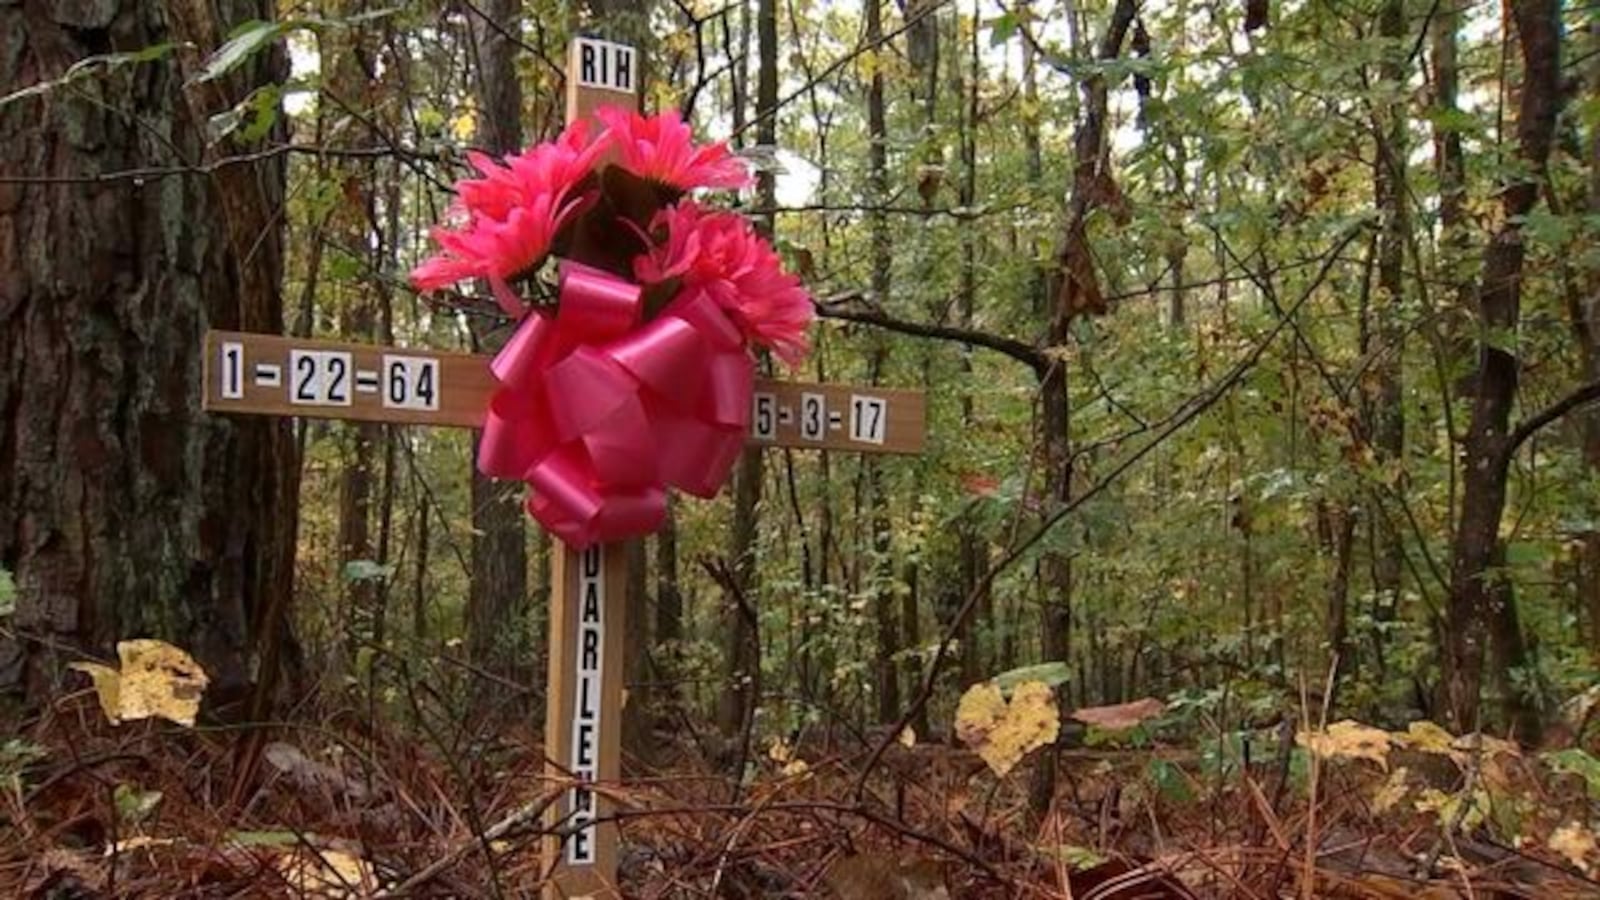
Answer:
(273, 375)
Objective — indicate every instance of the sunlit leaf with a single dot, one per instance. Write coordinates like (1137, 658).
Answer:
(1577, 844)
(326, 873)
(246, 41)
(156, 680)
(1052, 674)
(1003, 733)
(1347, 739)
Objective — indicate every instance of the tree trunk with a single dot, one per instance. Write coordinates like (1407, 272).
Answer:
(637, 734)
(974, 546)
(124, 511)
(669, 615)
(499, 543)
(1077, 292)
(1477, 604)
(882, 577)
(1385, 408)
(350, 79)
(741, 657)
(1340, 527)
(1583, 311)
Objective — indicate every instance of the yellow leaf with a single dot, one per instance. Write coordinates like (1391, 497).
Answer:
(1461, 811)
(978, 711)
(1426, 737)
(1392, 792)
(868, 63)
(327, 873)
(157, 679)
(1489, 746)
(1003, 733)
(140, 842)
(779, 750)
(465, 124)
(1576, 843)
(907, 737)
(1348, 739)
(106, 683)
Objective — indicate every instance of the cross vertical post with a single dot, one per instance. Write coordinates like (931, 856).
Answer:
(588, 603)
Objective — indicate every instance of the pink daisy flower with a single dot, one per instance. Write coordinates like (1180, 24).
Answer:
(510, 216)
(720, 254)
(661, 149)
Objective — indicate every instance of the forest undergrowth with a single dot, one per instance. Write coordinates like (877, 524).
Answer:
(152, 809)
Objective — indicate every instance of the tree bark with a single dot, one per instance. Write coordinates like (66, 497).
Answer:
(669, 615)
(499, 539)
(882, 572)
(350, 79)
(741, 658)
(1477, 605)
(1585, 316)
(124, 511)
(974, 546)
(1385, 407)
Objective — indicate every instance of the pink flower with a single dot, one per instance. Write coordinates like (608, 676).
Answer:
(720, 253)
(510, 215)
(661, 149)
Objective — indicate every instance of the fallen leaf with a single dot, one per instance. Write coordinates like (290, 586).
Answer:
(134, 805)
(907, 737)
(107, 687)
(1121, 716)
(1003, 733)
(306, 773)
(1347, 739)
(141, 842)
(1461, 811)
(1393, 791)
(327, 873)
(1426, 737)
(877, 877)
(978, 711)
(157, 679)
(1576, 843)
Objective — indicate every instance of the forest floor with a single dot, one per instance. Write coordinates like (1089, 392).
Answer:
(148, 809)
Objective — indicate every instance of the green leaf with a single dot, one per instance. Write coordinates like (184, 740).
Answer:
(268, 838)
(17, 755)
(247, 40)
(1051, 673)
(1002, 28)
(366, 570)
(8, 594)
(1169, 780)
(1575, 761)
(88, 66)
(134, 805)
(251, 117)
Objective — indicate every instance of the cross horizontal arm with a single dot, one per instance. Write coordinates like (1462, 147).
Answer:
(268, 374)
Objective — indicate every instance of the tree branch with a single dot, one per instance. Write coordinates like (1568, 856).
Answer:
(1530, 426)
(1022, 352)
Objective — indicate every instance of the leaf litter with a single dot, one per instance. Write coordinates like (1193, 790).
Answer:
(935, 819)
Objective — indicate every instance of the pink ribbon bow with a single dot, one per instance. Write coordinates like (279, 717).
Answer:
(600, 415)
